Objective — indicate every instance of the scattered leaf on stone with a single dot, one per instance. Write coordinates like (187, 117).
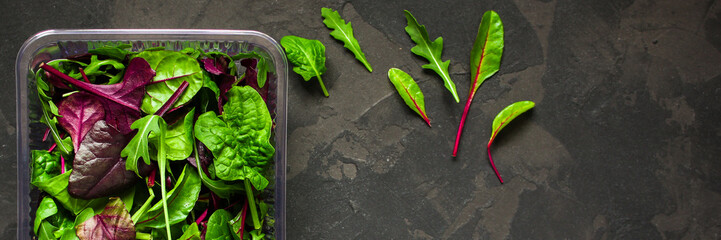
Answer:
(485, 60)
(431, 51)
(308, 56)
(409, 91)
(502, 119)
(344, 32)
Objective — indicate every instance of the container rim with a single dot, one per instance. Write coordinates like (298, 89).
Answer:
(51, 36)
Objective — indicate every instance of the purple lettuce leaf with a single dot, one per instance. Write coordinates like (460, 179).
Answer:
(98, 169)
(215, 67)
(114, 223)
(80, 111)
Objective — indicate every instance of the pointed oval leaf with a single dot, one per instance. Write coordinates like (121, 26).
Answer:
(344, 32)
(409, 91)
(219, 226)
(487, 50)
(172, 70)
(308, 56)
(502, 119)
(431, 51)
(507, 115)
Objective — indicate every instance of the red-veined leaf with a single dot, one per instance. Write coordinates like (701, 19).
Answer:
(502, 119)
(113, 223)
(409, 91)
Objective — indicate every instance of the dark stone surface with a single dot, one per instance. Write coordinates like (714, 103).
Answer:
(623, 143)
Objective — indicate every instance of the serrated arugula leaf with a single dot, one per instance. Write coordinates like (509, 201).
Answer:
(409, 91)
(344, 33)
(431, 51)
(308, 56)
(138, 146)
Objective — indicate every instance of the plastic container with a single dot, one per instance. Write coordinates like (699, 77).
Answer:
(54, 44)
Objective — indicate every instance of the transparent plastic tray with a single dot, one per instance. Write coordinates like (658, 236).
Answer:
(54, 44)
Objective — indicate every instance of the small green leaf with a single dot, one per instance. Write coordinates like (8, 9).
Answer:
(219, 226)
(485, 60)
(344, 33)
(46, 209)
(138, 146)
(502, 119)
(409, 91)
(180, 201)
(308, 56)
(431, 51)
(192, 233)
(179, 138)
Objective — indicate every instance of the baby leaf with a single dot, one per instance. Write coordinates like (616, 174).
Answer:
(431, 51)
(118, 53)
(50, 111)
(409, 91)
(113, 223)
(308, 56)
(180, 200)
(46, 165)
(219, 226)
(240, 141)
(502, 119)
(179, 138)
(138, 146)
(344, 33)
(80, 111)
(57, 187)
(46, 209)
(485, 60)
(172, 70)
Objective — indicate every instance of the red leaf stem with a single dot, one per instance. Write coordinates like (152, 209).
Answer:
(45, 136)
(173, 98)
(52, 147)
(242, 221)
(488, 148)
(82, 72)
(62, 164)
(202, 216)
(423, 114)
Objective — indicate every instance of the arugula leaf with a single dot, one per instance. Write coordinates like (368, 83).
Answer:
(240, 141)
(138, 146)
(219, 226)
(57, 187)
(99, 171)
(113, 223)
(80, 111)
(502, 119)
(103, 68)
(409, 91)
(45, 166)
(485, 60)
(46, 209)
(308, 56)
(191, 233)
(344, 32)
(118, 52)
(172, 70)
(431, 51)
(49, 113)
(180, 201)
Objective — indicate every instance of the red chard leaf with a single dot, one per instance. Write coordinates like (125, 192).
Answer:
(80, 111)
(214, 67)
(502, 119)
(114, 223)
(98, 169)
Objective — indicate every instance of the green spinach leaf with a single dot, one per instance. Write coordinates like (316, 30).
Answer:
(431, 51)
(344, 33)
(57, 187)
(219, 226)
(46, 209)
(180, 200)
(45, 166)
(308, 56)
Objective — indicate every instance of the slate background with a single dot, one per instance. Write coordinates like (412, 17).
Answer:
(623, 143)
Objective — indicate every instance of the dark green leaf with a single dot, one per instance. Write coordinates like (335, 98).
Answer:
(57, 187)
(308, 56)
(431, 51)
(240, 141)
(117, 53)
(45, 165)
(344, 33)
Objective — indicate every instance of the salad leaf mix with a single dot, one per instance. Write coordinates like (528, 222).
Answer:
(190, 127)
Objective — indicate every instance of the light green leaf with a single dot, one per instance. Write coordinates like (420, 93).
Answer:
(344, 33)
(409, 91)
(507, 115)
(179, 138)
(487, 50)
(191, 233)
(308, 56)
(46, 209)
(431, 51)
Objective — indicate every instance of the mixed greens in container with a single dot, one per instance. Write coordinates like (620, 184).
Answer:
(155, 144)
